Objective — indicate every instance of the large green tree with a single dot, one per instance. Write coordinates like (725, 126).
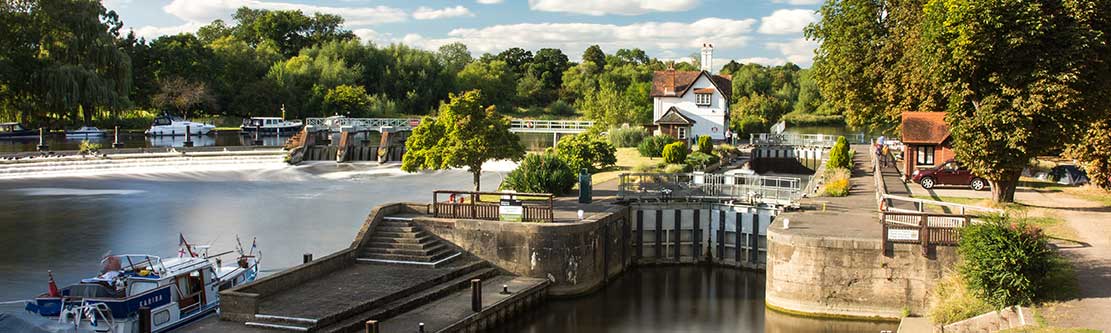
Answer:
(462, 134)
(495, 79)
(1022, 78)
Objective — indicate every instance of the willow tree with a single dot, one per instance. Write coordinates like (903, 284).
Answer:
(1023, 78)
(74, 64)
(462, 134)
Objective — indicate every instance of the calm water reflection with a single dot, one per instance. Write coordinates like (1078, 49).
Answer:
(677, 299)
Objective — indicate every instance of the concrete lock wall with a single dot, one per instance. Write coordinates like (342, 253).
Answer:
(850, 277)
(694, 232)
(576, 257)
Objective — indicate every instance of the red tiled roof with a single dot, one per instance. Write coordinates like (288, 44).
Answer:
(925, 127)
(673, 83)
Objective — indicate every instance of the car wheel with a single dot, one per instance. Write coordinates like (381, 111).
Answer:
(927, 182)
(978, 184)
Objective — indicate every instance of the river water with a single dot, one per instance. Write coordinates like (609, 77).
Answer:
(68, 224)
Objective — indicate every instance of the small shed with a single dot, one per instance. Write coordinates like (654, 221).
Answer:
(926, 136)
(675, 124)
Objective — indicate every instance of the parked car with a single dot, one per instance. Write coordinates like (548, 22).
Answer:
(948, 173)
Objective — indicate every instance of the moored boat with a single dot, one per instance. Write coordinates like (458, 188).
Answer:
(177, 291)
(270, 125)
(171, 125)
(85, 132)
(16, 131)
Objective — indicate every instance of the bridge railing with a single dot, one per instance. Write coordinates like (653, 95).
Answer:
(335, 123)
(697, 186)
(797, 139)
(528, 125)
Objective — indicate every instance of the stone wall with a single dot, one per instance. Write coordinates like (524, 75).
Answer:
(850, 276)
(576, 257)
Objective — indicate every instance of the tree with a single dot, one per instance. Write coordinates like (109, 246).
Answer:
(1094, 153)
(348, 100)
(182, 95)
(595, 55)
(634, 56)
(463, 134)
(290, 30)
(1022, 78)
(494, 79)
(731, 67)
(608, 107)
(548, 66)
(454, 56)
(517, 58)
(181, 56)
(586, 151)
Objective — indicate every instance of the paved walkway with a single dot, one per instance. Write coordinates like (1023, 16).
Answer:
(852, 216)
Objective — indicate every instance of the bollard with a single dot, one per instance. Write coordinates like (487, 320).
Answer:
(144, 320)
(371, 326)
(42, 141)
(188, 137)
(476, 295)
(116, 142)
(306, 258)
(420, 327)
(505, 289)
(258, 129)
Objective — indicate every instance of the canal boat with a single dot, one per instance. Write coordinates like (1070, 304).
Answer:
(85, 132)
(177, 291)
(16, 131)
(269, 125)
(174, 126)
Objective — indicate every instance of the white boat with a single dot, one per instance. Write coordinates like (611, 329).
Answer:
(170, 125)
(270, 125)
(177, 291)
(85, 132)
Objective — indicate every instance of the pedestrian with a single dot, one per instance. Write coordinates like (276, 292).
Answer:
(886, 156)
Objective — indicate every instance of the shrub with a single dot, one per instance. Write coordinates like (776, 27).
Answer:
(653, 146)
(705, 146)
(627, 136)
(646, 167)
(837, 182)
(587, 151)
(675, 168)
(87, 147)
(952, 302)
(839, 155)
(541, 173)
(561, 108)
(1004, 262)
(750, 124)
(675, 152)
(699, 160)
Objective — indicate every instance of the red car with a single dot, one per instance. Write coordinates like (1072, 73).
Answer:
(948, 173)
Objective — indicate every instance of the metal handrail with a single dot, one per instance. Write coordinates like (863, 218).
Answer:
(525, 125)
(698, 186)
(799, 139)
(333, 123)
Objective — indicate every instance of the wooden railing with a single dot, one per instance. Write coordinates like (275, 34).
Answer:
(536, 207)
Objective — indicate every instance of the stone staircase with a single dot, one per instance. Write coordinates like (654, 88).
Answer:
(398, 241)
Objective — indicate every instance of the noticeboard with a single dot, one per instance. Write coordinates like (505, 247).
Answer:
(902, 234)
(511, 210)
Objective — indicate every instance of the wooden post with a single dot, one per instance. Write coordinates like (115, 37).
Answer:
(372, 326)
(924, 234)
(476, 295)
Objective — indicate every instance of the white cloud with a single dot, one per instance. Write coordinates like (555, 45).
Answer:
(151, 32)
(616, 7)
(207, 10)
(425, 13)
(799, 51)
(787, 21)
(763, 61)
(798, 2)
(489, 2)
(574, 37)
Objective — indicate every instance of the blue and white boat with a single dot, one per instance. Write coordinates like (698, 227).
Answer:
(177, 291)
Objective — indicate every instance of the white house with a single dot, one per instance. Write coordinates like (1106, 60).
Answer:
(688, 104)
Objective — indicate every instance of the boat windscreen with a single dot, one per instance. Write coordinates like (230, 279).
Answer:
(89, 290)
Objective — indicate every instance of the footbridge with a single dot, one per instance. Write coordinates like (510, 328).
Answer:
(338, 124)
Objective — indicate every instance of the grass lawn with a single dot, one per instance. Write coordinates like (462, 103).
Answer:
(627, 159)
(956, 200)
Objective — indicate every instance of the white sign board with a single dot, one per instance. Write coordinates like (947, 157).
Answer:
(511, 210)
(902, 235)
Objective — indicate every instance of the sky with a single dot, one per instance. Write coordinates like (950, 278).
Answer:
(767, 32)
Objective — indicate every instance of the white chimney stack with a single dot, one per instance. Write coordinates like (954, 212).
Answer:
(707, 56)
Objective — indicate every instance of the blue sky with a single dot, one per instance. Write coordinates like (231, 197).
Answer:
(761, 31)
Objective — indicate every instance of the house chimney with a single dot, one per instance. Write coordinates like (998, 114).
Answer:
(707, 56)
(669, 86)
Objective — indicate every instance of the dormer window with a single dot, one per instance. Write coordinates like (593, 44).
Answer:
(703, 99)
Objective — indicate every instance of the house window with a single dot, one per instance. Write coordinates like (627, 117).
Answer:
(925, 155)
(681, 133)
(703, 99)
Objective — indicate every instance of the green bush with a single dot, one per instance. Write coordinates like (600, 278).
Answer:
(561, 108)
(837, 182)
(627, 136)
(87, 147)
(750, 124)
(839, 155)
(541, 173)
(675, 152)
(1005, 262)
(699, 160)
(653, 146)
(587, 151)
(675, 168)
(705, 145)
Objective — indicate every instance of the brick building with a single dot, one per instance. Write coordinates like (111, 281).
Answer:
(926, 136)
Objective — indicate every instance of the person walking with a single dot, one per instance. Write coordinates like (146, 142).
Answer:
(886, 156)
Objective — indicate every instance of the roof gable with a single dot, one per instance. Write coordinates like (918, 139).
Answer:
(673, 83)
(924, 127)
(674, 117)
